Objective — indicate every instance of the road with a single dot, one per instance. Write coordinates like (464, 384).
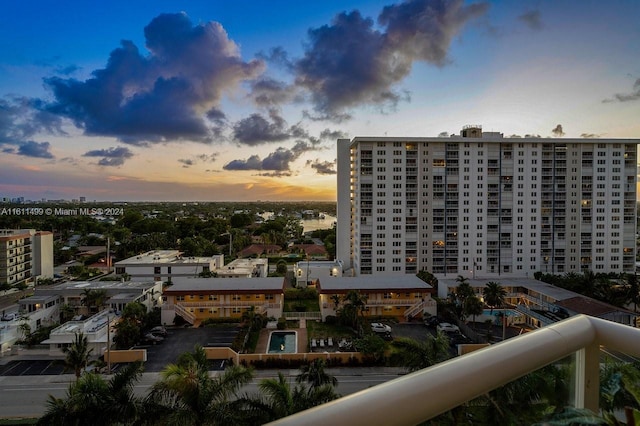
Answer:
(27, 396)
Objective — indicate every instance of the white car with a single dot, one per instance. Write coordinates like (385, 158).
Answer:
(380, 328)
(9, 317)
(448, 328)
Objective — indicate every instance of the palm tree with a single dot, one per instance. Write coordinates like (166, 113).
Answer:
(92, 400)
(314, 374)
(416, 355)
(283, 401)
(353, 308)
(473, 306)
(66, 312)
(77, 354)
(463, 292)
(633, 289)
(494, 295)
(187, 395)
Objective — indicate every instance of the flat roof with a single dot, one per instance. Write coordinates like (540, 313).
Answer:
(37, 299)
(99, 285)
(187, 285)
(373, 283)
(546, 289)
(491, 137)
(163, 257)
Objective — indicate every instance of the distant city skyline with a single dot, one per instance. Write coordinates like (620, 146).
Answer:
(219, 101)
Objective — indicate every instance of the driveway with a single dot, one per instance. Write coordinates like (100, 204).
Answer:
(181, 340)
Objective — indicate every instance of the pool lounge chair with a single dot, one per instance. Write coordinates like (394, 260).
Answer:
(322, 343)
(330, 341)
(313, 344)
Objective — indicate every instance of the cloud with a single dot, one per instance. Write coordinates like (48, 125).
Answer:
(531, 19)
(35, 149)
(557, 131)
(268, 92)
(322, 167)
(589, 135)
(350, 63)
(443, 134)
(21, 121)
(204, 158)
(626, 97)
(257, 130)
(111, 157)
(165, 96)
(332, 135)
(278, 161)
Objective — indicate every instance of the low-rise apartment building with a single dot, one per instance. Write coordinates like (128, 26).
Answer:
(402, 297)
(197, 299)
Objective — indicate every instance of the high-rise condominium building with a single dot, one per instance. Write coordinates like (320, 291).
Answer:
(24, 255)
(480, 204)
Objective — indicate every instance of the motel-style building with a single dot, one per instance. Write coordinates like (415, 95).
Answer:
(402, 297)
(197, 299)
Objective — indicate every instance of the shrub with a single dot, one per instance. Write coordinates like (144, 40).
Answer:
(331, 320)
(282, 323)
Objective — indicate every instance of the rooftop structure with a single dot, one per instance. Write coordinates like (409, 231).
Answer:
(244, 268)
(309, 272)
(164, 265)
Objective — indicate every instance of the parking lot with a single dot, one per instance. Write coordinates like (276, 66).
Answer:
(181, 340)
(178, 341)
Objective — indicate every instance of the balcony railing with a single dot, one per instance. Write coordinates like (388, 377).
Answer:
(420, 396)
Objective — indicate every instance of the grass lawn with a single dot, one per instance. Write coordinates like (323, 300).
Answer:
(320, 330)
(310, 305)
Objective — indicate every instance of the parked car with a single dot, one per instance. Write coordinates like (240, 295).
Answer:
(448, 328)
(378, 327)
(9, 317)
(432, 321)
(159, 331)
(151, 339)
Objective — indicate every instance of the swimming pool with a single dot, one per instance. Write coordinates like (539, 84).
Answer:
(510, 313)
(283, 342)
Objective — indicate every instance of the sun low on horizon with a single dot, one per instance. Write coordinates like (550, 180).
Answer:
(180, 101)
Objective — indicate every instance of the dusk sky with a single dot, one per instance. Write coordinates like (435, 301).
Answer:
(218, 100)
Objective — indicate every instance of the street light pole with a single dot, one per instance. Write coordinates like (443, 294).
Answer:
(109, 343)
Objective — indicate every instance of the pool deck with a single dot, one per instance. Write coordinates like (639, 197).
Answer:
(263, 340)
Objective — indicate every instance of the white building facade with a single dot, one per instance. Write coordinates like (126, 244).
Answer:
(163, 265)
(480, 204)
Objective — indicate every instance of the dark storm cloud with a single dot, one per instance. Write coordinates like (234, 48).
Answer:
(557, 131)
(531, 19)
(322, 167)
(626, 97)
(35, 149)
(112, 157)
(162, 96)
(350, 63)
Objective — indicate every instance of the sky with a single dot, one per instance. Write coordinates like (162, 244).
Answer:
(203, 100)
